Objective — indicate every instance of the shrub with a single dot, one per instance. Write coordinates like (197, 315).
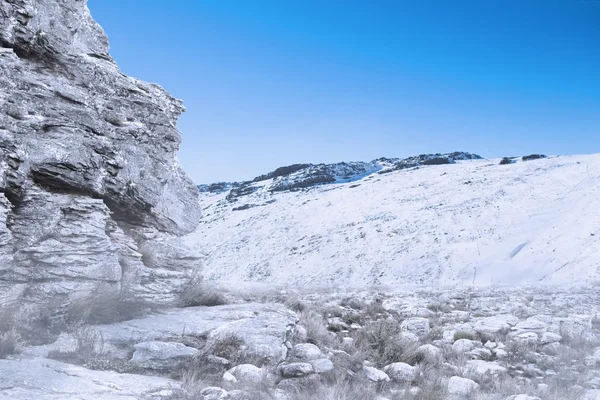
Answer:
(196, 293)
(89, 346)
(106, 306)
(316, 331)
(9, 341)
(337, 390)
(383, 345)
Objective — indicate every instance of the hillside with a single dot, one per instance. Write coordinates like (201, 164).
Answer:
(466, 222)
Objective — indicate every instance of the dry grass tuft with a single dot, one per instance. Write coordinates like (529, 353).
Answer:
(197, 293)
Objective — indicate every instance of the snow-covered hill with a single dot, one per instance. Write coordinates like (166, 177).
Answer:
(469, 222)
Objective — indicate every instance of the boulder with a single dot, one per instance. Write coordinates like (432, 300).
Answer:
(401, 372)
(462, 386)
(307, 351)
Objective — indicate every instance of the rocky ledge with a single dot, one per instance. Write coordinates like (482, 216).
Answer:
(91, 192)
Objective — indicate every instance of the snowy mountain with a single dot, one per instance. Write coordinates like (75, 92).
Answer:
(473, 221)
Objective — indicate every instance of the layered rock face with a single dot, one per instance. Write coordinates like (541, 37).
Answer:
(91, 191)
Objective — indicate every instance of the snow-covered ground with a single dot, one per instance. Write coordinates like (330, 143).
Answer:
(473, 222)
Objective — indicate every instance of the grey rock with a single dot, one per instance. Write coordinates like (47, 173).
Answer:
(375, 375)
(162, 355)
(43, 379)
(246, 373)
(295, 370)
(401, 372)
(461, 386)
(417, 325)
(214, 393)
(322, 365)
(88, 165)
(307, 351)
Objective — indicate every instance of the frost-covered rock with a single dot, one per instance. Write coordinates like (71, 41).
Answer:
(401, 372)
(480, 367)
(307, 351)
(417, 325)
(247, 373)
(495, 324)
(296, 369)
(89, 178)
(409, 337)
(263, 328)
(480, 353)
(161, 355)
(300, 334)
(526, 338)
(549, 337)
(464, 345)
(40, 378)
(322, 365)
(461, 386)
(531, 325)
(522, 397)
(429, 352)
(214, 393)
(375, 375)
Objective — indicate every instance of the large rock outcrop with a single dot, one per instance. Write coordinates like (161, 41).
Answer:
(91, 191)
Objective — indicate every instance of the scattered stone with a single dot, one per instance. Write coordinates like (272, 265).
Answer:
(462, 386)
(214, 393)
(307, 351)
(375, 375)
(246, 373)
(401, 372)
(417, 325)
(480, 353)
(526, 338)
(480, 367)
(429, 352)
(464, 345)
(495, 324)
(300, 334)
(409, 337)
(322, 365)
(296, 370)
(531, 325)
(549, 337)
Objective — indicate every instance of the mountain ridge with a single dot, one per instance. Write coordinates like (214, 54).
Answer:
(302, 176)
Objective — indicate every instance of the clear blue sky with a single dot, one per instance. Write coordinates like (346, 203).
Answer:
(271, 83)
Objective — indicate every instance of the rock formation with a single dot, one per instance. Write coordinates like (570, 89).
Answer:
(91, 191)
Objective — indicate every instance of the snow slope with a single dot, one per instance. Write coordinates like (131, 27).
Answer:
(472, 222)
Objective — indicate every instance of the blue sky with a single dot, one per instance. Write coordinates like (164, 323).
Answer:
(269, 83)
